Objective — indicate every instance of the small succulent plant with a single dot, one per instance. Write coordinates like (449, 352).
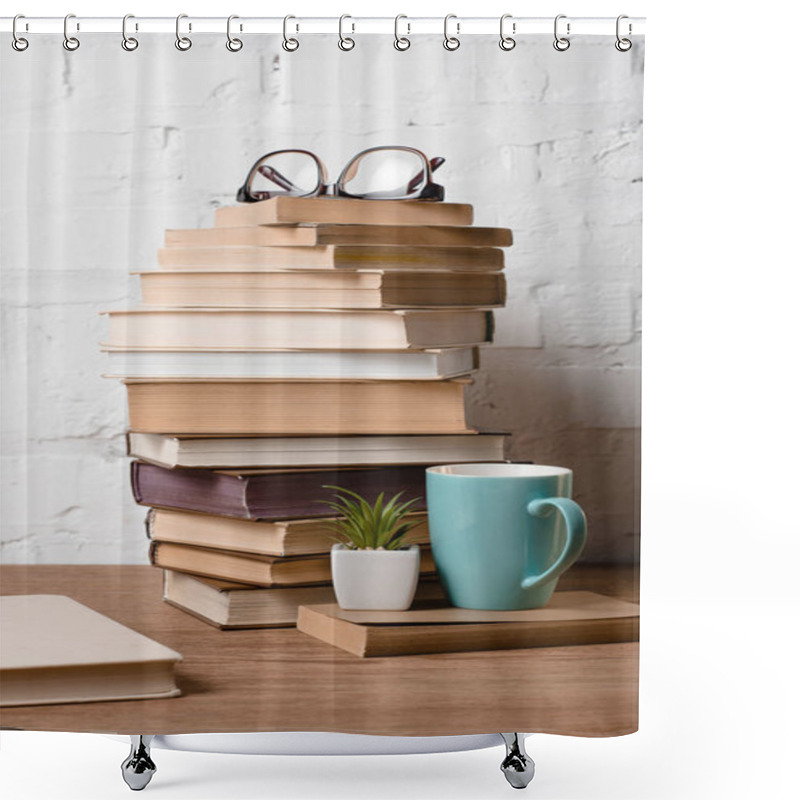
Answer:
(360, 525)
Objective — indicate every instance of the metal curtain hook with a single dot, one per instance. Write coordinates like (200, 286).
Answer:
(507, 42)
(129, 43)
(182, 42)
(70, 42)
(346, 42)
(18, 42)
(289, 44)
(233, 44)
(451, 42)
(623, 44)
(401, 42)
(561, 43)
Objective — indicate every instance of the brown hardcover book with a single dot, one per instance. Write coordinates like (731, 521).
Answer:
(342, 211)
(254, 569)
(322, 289)
(263, 329)
(230, 605)
(311, 235)
(312, 451)
(395, 257)
(56, 650)
(571, 618)
(297, 537)
(297, 407)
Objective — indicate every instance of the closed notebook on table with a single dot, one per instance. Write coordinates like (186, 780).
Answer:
(56, 650)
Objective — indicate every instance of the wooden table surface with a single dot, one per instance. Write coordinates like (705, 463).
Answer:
(283, 680)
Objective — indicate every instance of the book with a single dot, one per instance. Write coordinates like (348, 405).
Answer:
(312, 451)
(259, 329)
(285, 538)
(229, 605)
(254, 569)
(310, 289)
(571, 618)
(414, 257)
(290, 364)
(269, 494)
(297, 407)
(342, 210)
(314, 235)
(56, 650)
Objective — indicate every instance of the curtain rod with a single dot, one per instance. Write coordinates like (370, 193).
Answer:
(297, 25)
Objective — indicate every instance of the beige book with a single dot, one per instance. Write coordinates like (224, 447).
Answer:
(342, 210)
(56, 650)
(312, 451)
(257, 570)
(315, 235)
(463, 259)
(226, 605)
(297, 407)
(296, 537)
(261, 329)
(306, 289)
(570, 618)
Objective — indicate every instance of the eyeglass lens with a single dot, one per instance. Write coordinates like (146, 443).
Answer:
(384, 173)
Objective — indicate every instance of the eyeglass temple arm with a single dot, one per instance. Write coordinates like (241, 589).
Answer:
(272, 174)
(420, 176)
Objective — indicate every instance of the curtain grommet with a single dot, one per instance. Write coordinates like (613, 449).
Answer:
(233, 44)
(623, 44)
(451, 43)
(507, 42)
(182, 43)
(561, 43)
(129, 43)
(401, 43)
(19, 43)
(289, 43)
(70, 43)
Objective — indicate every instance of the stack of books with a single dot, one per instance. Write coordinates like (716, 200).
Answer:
(301, 343)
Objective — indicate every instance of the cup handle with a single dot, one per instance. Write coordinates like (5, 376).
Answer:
(575, 520)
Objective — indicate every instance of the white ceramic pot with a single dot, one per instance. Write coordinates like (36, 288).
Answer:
(375, 580)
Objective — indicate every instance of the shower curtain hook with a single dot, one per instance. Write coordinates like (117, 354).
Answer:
(71, 43)
(289, 44)
(129, 43)
(401, 42)
(623, 44)
(19, 43)
(233, 44)
(561, 43)
(183, 43)
(451, 42)
(346, 42)
(507, 42)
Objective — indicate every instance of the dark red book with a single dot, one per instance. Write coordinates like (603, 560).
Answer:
(268, 494)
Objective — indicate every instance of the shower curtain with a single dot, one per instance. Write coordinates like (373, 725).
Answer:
(241, 286)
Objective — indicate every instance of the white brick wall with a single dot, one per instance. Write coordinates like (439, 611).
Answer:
(102, 150)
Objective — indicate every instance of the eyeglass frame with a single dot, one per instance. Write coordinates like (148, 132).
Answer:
(430, 190)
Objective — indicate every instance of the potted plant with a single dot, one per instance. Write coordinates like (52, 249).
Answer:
(372, 567)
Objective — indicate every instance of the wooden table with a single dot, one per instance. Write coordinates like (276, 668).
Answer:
(283, 680)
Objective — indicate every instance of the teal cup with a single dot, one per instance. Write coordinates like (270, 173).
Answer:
(502, 534)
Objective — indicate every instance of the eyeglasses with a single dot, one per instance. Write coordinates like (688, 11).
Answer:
(378, 173)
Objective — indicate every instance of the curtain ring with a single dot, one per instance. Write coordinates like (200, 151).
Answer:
(346, 42)
(451, 42)
(289, 44)
(129, 43)
(233, 44)
(561, 43)
(507, 42)
(622, 44)
(183, 43)
(71, 43)
(401, 42)
(18, 42)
